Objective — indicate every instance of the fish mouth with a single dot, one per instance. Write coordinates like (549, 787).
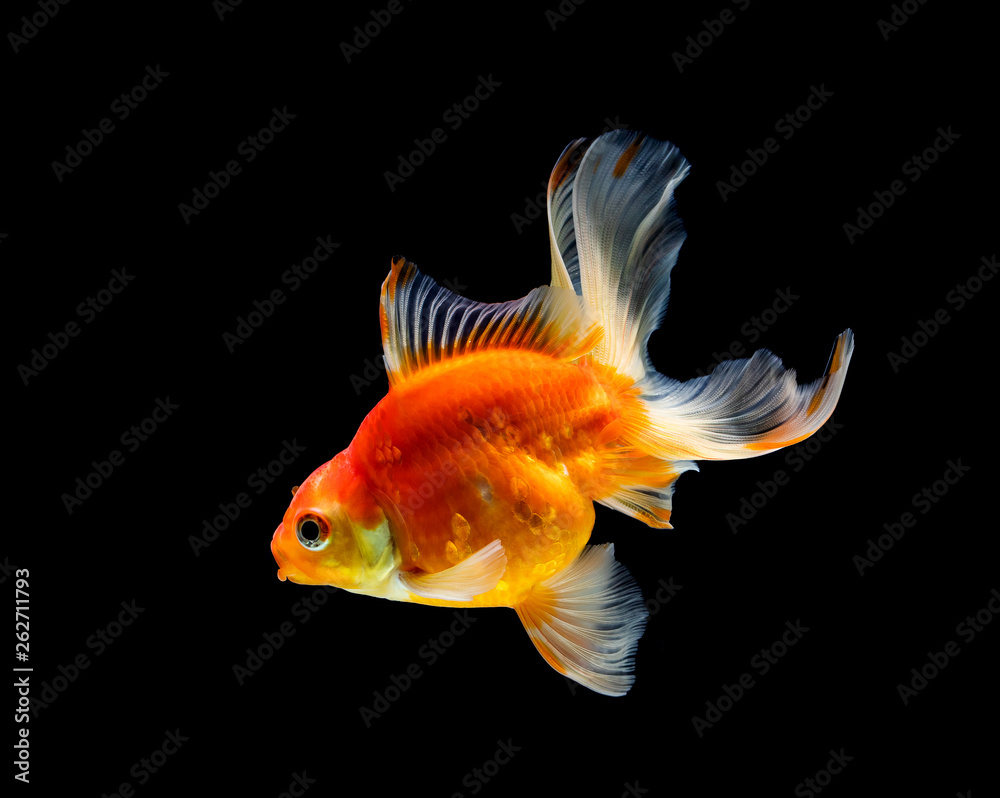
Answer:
(284, 569)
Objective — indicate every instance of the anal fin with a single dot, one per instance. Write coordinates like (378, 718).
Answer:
(479, 573)
(587, 619)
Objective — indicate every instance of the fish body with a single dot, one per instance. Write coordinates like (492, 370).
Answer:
(500, 445)
(473, 482)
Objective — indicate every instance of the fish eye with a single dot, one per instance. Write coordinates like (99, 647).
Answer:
(312, 531)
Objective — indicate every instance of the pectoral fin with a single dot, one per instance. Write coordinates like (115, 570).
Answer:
(587, 619)
(478, 573)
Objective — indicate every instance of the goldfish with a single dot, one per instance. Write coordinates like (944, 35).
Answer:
(472, 483)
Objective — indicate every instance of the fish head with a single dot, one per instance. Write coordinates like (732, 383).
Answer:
(334, 532)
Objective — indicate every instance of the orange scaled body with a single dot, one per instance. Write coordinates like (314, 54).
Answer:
(502, 444)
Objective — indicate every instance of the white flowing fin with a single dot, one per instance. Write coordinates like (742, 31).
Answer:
(744, 408)
(615, 236)
(587, 619)
(476, 574)
(562, 234)
(626, 234)
(424, 323)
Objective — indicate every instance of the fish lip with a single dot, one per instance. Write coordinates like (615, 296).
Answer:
(284, 571)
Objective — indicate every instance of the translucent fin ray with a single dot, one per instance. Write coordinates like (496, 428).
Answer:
(479, 573)
(587, 619)
(424, 323)
(624, 240)
(744, 408)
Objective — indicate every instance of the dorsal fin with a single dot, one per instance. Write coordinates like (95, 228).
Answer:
(424, 323)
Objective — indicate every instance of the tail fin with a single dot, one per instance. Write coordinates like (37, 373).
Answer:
(615, 236)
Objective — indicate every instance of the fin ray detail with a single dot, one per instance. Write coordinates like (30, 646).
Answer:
(587, 619)
(424, 323)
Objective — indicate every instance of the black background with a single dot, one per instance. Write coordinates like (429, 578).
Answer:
(173, 668)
